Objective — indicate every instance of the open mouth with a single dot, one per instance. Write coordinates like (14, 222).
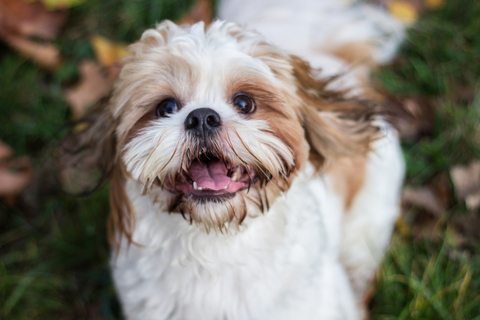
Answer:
(209, 176)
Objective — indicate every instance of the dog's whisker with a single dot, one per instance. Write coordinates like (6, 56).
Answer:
(229, 142)
(265, 173)
(170, 159)
(159, 143)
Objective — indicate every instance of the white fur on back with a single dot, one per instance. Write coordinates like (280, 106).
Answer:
(313, 29)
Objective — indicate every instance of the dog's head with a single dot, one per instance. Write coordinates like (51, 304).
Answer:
(214, 124)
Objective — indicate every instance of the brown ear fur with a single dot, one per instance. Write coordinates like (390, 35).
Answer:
(90, 149)
(335, 126)
(122, 214)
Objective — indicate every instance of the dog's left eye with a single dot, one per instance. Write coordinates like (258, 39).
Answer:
(244, 103)
(167, 106)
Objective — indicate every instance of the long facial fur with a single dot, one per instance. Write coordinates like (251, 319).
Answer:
(296, 119)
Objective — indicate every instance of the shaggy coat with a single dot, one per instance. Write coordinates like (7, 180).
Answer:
(282, 204)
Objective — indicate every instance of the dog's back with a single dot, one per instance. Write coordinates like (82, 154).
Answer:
(323, 32)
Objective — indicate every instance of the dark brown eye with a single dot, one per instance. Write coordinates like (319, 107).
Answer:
(166, 107)
(244, 103)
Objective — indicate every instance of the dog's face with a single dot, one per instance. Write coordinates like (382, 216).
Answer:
(206, 120)
(215, 124)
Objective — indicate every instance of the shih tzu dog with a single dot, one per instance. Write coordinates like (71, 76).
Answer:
(253, 174)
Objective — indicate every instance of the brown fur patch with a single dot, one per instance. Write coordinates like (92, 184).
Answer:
(89, 149)
(95, 147)
(335, 126)
(122, 213)
(358, 53)
(281, 118)
(348, 177)
(298, 108)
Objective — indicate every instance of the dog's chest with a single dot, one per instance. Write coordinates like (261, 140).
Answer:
(273, 263)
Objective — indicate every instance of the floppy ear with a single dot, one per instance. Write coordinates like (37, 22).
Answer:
(88, 158)
(87, 155)
(335, 126)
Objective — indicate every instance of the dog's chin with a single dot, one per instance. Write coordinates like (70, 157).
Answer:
(214, 212)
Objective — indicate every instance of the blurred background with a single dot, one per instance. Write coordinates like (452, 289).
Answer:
(60, 57)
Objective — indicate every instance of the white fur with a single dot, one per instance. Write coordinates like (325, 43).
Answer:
(284, 264)
(292, 261)
(314, 29)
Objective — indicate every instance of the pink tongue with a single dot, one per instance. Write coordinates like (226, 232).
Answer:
(212, 175)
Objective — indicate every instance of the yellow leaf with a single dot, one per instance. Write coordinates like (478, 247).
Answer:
(404, 12)
(108, 52)
(434, 4)
(59, 4)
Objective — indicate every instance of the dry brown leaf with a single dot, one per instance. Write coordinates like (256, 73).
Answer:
(20, 19)
(31, 19)
(466, 180)
(93, 86)
(108, 52)
(44, 54)
(15, 175)
(425, 198)
(201, 11)
(425, 219)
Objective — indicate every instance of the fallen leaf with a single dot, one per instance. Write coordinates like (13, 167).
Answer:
(466, 180)
(45, 54)
(93, 86)
(31, 19)
(61, 4)
(20, 20)
(425, 198)
(15, 174)
(434, 4)
(404, 11)
(201, 11)
(108, 52)
(424, 210)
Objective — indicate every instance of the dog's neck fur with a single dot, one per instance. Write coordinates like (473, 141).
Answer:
(232, 274)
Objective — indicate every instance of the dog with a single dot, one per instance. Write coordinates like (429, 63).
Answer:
(253, 172)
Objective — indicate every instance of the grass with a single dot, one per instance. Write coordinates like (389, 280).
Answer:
(437, 278)
(53, 253)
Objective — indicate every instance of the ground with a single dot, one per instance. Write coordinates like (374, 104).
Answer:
(53, 250)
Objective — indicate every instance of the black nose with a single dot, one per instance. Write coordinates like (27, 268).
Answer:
(202, 121)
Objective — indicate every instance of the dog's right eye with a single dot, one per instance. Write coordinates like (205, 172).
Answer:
(166, 107)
